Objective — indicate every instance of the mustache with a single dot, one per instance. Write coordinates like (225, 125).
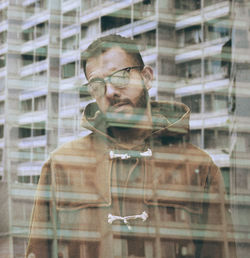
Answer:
(117, 101)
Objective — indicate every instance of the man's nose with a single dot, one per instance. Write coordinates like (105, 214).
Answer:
(111, 90)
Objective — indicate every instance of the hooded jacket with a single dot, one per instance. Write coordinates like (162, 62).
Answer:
(98, 197)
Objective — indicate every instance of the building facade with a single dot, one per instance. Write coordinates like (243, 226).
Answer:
(199, 51)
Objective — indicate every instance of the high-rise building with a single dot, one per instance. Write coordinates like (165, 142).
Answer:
(199, 51)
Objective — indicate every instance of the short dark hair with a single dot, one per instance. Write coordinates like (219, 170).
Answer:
(103, 44)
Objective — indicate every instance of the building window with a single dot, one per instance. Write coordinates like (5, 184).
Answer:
(136, 247)
(68, 70)
(243, 142)
(88, 30)
(24, 155)
(41, 53)
(90, 249)
(187, 5)
(41, 29)
(215, 138)
(40, 78)
(116, 20)
(24, 131)
(39, 129)
(1, 155)
(70, 43)
(69, 18)
(2, 83)
(28, 34)
(30, 10)
(167, 66)
(26, 105)
(3, 14)
(89, 4)
(3, 37)
(195, 137)
(27, 58)
(40, 103)
(167, 213)
(1, 107)
(41, 5)
(226, 176)
(193, 102)
(146, 40)
(216, 101)
(67, 126)
(38, 153)
(2, 61)
(243, 179)
(211, 2)
(190, 69)
(216, 30)
(144, 9)
(1, 131)
(189, 36)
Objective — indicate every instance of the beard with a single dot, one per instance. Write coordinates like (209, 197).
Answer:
(128, 119)
(140, 102)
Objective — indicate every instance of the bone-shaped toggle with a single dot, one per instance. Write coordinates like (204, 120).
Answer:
(114, 155)
(125, 219)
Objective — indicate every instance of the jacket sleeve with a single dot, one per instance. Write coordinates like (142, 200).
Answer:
(42, 231)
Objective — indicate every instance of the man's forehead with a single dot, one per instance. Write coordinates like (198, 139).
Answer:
(109, 61)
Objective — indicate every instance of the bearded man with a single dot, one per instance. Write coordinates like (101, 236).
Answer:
(134, 187)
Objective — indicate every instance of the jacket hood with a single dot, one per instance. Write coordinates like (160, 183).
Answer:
(168, 119)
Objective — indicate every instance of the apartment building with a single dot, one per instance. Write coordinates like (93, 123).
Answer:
(191, 47)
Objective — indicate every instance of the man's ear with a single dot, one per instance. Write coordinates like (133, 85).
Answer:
(148, 76)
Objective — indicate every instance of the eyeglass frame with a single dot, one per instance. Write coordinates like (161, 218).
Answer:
(108, 79)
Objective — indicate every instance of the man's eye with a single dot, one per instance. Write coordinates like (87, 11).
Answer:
(120, 78)
(96, 84)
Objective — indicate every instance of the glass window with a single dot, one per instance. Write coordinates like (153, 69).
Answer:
(39, 129)
(26, 105)
(41, 53)
(1, 107)
(24, 154)
(191, 69)
(1, 131)
(68, 70)
(69, 18)
(41, 29)
(2, 61)
(193, 102)
(3, 37)
(39, 153)
(88, 4)
(25, 131)
(27, 58)
(88, 30)
(40, 103)
(190, 35)
(30, 10)
(144, 9)
(195, 137)
(115, 20)
(146, 40)
(188, 5)
(28, 34)
(3, 14)
(70, 43)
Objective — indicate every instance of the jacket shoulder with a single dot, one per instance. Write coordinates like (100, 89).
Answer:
(85, 143)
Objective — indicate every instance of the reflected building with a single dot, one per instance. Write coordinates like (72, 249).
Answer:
(189, 44)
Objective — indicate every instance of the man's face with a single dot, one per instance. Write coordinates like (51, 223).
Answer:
(126, 100)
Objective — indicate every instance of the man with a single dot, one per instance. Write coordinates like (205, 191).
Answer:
(134, 187)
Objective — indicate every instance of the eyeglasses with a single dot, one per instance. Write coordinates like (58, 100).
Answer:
(119, 79)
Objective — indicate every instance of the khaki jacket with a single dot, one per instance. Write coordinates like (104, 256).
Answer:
(163, 198)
